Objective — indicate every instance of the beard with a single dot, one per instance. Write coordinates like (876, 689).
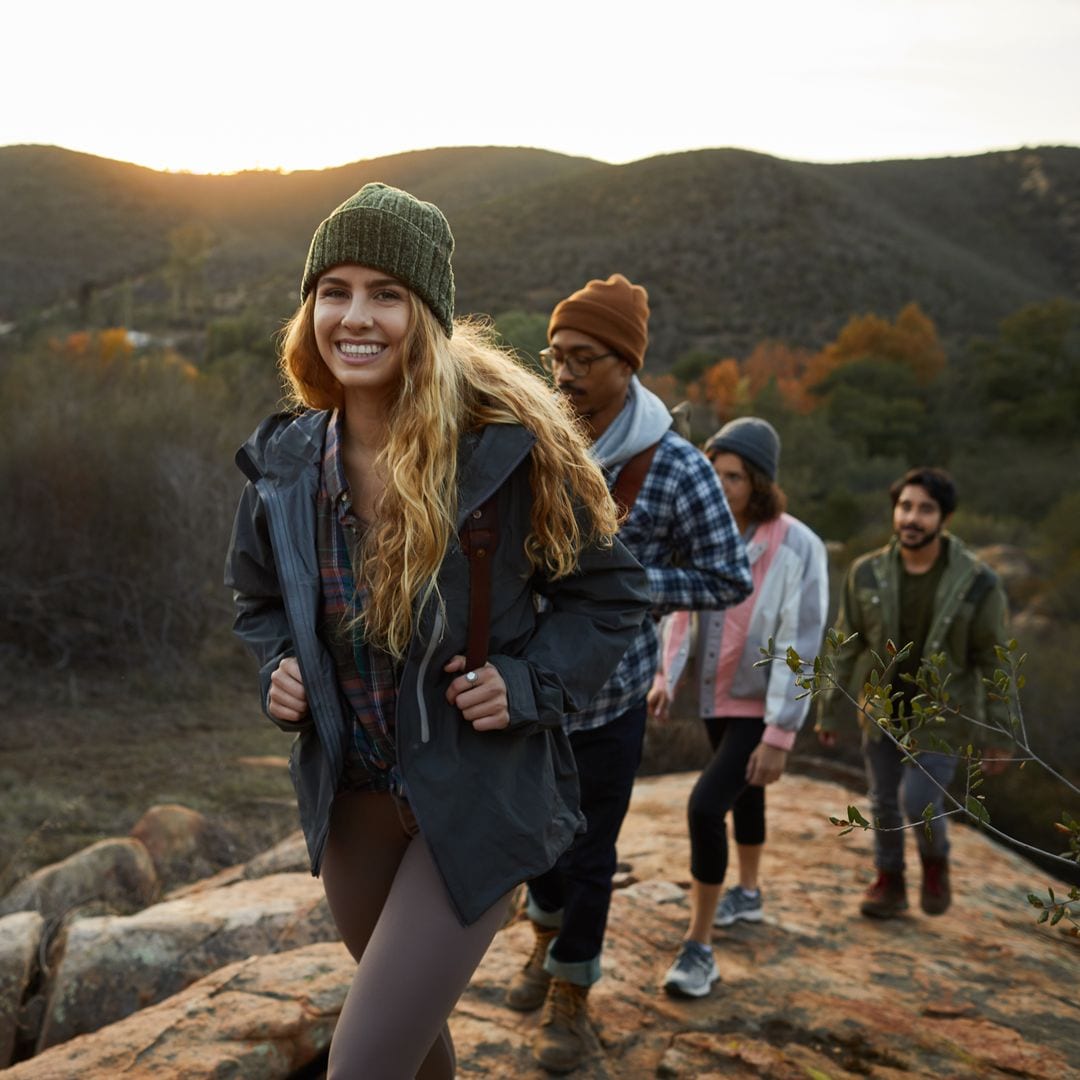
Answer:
(921, 537)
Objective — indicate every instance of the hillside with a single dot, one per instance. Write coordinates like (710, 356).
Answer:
(733, 246)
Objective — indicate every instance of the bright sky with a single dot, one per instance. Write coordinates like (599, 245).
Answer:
(221, 86)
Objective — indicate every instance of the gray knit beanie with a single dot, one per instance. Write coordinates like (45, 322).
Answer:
(753, 439)
(389, 230)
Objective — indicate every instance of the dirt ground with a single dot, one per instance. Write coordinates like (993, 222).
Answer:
(81, 758)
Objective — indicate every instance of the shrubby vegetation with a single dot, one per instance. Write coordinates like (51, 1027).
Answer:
(117, 467)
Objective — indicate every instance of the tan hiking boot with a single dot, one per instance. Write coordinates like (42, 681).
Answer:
(935, 895)
(886, 898)
(529, 986)
(563, 1040)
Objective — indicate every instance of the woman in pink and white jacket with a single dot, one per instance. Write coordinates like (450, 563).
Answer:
(751, 712)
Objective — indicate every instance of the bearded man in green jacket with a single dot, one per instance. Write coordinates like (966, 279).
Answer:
(927, 588)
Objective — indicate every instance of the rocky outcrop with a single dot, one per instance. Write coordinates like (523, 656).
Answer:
(261, 1018)
(183, 845)
(111, 966)
(20, 939)
(118, 873)
(814, 991)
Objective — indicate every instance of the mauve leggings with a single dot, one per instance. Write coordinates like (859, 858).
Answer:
(415, 957)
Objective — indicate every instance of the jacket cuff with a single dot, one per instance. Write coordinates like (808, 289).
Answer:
(778, 737)
(520, 697)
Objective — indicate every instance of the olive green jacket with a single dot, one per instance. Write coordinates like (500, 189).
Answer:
(967, 622)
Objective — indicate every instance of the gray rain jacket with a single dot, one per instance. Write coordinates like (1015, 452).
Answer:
(496, 808)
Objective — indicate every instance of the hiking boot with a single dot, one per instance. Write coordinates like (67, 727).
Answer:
(935, 895)
(737, 904)
(693, 972)
(887, 897)
(529, 986)
(563, 1040)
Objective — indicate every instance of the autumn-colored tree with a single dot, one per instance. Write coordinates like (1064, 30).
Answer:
(666, 387)
(720, 387)
(102, 347)
(911, 342)
(778, 362)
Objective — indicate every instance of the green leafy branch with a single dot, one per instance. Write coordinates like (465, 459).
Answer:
(914, 726)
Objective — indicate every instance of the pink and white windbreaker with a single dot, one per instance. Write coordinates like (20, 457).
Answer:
(789, 604)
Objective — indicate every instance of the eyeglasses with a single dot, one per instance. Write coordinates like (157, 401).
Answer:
(577, 365)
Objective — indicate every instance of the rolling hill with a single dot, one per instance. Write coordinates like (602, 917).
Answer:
(733, 246)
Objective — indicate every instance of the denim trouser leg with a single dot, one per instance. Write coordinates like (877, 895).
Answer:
(579, 886)
(899, 791)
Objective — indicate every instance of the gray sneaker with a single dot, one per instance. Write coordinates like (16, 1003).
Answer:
(735, 905)
(693, 972)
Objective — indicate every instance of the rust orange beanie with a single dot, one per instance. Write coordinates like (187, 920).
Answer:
(615, 312)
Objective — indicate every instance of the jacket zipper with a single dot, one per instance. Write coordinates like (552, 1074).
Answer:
(433, 641)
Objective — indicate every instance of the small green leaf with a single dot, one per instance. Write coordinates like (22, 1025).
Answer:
(974, 806)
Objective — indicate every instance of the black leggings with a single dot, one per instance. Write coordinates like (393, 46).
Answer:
(722, 787)
(394, 915)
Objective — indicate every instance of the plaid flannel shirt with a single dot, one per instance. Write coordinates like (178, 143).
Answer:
(683, 534)
(367, 676)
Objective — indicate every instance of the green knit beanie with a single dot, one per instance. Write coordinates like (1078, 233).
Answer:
(392, 231)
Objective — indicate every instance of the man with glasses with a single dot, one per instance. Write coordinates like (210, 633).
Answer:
(679, 528)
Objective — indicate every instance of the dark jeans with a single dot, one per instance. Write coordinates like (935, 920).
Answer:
(722, 787)
(579, 886)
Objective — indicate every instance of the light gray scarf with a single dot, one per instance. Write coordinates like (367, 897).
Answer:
(643, 420)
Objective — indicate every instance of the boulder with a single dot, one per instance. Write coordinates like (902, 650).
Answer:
(111, 966)
(20, 940)
(262, 1018)
(117, 872)
(182, 843)
(288, 856)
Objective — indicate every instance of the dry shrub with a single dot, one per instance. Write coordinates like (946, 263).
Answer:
(120, 492)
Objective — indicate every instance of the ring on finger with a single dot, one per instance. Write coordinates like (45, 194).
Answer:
(471, 677)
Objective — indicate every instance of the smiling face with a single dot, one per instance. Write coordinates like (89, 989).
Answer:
(361, 317)
(917, 518)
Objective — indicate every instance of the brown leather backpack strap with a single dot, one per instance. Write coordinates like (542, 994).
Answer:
(479, 540)
(631, 477)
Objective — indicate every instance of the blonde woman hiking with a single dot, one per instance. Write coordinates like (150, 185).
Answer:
(388, 551)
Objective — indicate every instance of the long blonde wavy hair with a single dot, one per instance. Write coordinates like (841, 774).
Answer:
(450, 386)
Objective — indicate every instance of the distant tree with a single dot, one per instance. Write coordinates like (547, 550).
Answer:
(1028, 378)
(691, 365)
(720, 388)
(911, 342)
(778, 362)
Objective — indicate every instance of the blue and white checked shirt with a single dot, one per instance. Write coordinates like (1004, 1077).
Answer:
(682, 532)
